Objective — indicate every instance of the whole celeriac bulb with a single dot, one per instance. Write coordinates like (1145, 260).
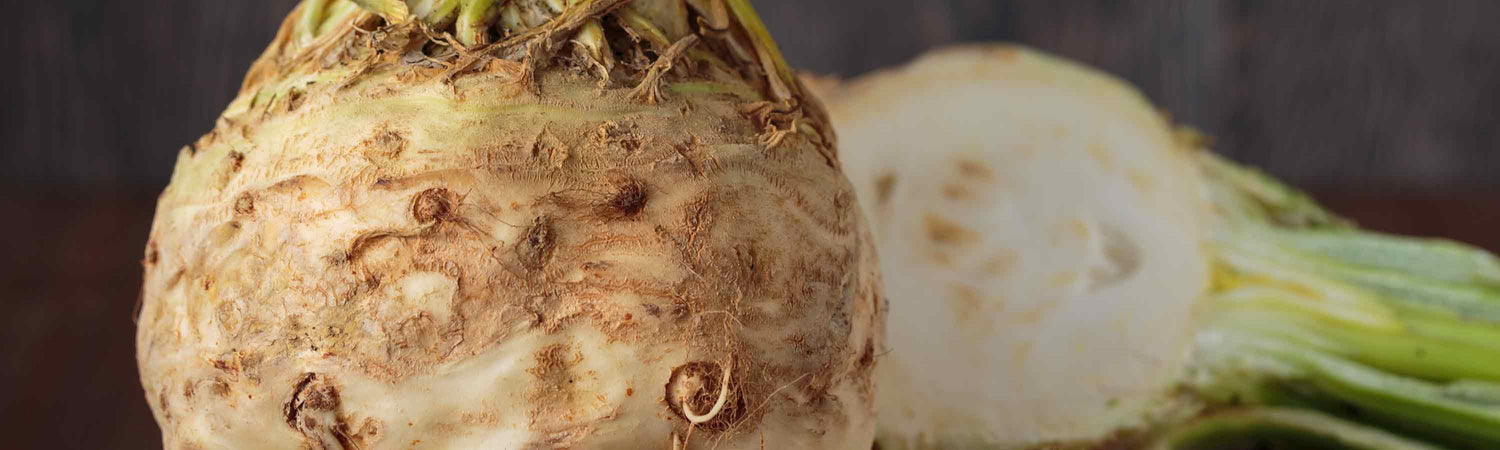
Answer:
(513, 224)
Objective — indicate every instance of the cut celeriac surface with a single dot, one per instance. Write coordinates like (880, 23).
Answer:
(1066, 268)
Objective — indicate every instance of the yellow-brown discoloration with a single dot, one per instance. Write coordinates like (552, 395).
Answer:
(1101, 155)
(947, 232)
(955, 192)
(885, 186)
(505, 256)
(975, 169)
(942, 259)
(1142, 181)
(1071, 231)
(1002, 263)
(1062, 279)
(975, 314)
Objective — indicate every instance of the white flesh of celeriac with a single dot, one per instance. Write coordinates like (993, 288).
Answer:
(1039, 237)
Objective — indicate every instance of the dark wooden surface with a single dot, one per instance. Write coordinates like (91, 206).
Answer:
(1386, 108)
(1345, 93)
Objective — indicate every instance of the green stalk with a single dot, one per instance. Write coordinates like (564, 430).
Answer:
(780, 74)
(1276, 428)
(441, 13)
(395, 10)
(1266, 370)
(1430, 258)
(1354, 329)
(1272, 199)
(473, 20)
(310, 19)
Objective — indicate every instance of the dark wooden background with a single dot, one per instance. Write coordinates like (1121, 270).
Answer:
(1387, 109)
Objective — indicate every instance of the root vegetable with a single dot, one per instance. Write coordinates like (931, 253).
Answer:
(513, 224)
(1067, 270)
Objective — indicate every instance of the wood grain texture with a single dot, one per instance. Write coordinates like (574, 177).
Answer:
(1342, 93)
(1378, 93)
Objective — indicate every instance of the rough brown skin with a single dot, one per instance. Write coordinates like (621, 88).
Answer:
(372, 251)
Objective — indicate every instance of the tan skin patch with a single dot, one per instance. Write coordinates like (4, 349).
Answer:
(1073, 230)
(973, 312)
(1034, 315)
(1142, 182)
(942, 259)
(944, 231)
(1019, 352)
(955, 192)
(1101, 155)
(553, 359)
(966, 303)
(977, 170)
(885, 186)
(1001, 264)
(1062, 279)
(1025, 150)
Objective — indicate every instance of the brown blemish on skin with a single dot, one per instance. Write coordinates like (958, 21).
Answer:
(1062, 279)
(971, 310)
(944, 231)
(484, 418)
(1101, 155)
(244, 205)
(867, 356)
(1019, 352)
(536, 249)
(1001, 264)
(293, 100)
(1141, 181)
(546, 143)
(629, 200)
(166, 404)
(550, 360)
(1034, 315)
(370, 431)
(942, 259)
(313, 401)
(314, 410)
(432, 205)
(885, 186)
(969, 168)
(385, 146)
(617, 137)
(965, 302)
(955, 192)
(236, 161)
(1073, 230)
(308, 393)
